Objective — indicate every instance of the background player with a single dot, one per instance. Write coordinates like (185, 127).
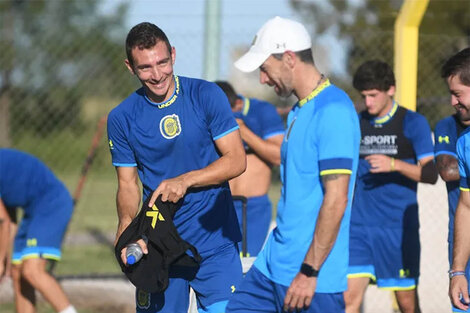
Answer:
(178, 135)
(396, 152)
(47, 208)
(262, 131)
(303, 265)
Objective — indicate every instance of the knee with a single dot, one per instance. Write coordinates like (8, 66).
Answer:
(352, 301)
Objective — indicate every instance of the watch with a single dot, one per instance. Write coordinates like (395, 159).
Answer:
(308, 270)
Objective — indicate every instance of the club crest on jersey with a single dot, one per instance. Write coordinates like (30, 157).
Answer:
(170, 126)
(143, 299)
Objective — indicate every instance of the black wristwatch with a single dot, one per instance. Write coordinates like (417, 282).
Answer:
(308, 270)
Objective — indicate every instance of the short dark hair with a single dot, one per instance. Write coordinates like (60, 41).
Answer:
(144, 36)
(458, 65)
(229, 91)
(305, 56)
(374, 74)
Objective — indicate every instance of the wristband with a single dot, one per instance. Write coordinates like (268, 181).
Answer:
(392, 165)
(456, 273)
(308, 270)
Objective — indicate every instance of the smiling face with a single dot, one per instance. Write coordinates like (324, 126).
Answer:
(378, 103)
(460, 97)
(275, 73)
(154, 68)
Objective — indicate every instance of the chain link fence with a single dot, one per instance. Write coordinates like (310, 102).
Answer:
(59, 77)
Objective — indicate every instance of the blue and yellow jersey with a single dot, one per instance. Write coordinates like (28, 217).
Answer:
(261, 118)
(322, 138)
(26, 181)
(446, 134)
(389, 199)
(463, 154)
(164, 140)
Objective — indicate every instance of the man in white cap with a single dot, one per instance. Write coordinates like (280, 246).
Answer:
(304, 263)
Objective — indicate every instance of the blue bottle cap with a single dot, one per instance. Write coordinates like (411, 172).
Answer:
(130, 259)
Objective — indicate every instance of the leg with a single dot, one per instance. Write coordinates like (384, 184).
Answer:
(25, 299)
(354, 296)
(408, 301)
(34, 272)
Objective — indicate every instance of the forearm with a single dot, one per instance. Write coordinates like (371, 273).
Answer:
(425, 172)
(461, 251)
(268, 151)
(448, 167)
(328, 223)
(127, 202)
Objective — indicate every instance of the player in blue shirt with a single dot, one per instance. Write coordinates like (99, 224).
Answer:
(262, 131)
(456, 71)
(178, 135)
(27, 183)
(304, 263)
(446, 134)
(396, 153)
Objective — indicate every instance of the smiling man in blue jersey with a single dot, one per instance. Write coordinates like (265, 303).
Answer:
(262, 131)
(396, 153)
(27, 183)
(179, 136)
(303, 265)
(446, 133)
(456, 71)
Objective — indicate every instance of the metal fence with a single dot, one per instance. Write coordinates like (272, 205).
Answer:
(55, 87)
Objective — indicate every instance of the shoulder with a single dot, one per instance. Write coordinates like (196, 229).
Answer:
(334, 100)
(416, 121)
(128, 104)
(196, 85)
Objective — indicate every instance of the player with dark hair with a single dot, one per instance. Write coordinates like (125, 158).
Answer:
(396, 153)
(179, 136)
(303, 265)
(27, 183)
(262, 131)
(456, 71)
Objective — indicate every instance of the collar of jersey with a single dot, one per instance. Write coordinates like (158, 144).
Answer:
(172, 98)
(388, 116)
(246, 106)
(314, 93)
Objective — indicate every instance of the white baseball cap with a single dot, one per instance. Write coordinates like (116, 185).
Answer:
(277, 35)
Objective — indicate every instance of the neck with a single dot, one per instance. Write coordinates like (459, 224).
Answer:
(308, 78)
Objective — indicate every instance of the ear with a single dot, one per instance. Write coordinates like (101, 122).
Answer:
(391, 91)
(173, 55)
(129, 66)
(290, 58)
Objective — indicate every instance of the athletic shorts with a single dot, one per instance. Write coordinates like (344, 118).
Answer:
(258, 221)
(43, 227)
(219, 274)
(388, 256)
(257, 293)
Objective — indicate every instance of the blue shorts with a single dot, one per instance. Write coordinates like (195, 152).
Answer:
(43, 227)
(388, 256)
(258, 220)
(218, 276)
(257, 293)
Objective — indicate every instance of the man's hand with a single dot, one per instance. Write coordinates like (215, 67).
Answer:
(379, 163)
(300, 293)
(171, 190)
(142, 245)
(458, 292)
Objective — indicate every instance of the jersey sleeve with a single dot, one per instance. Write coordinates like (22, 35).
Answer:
(444, 139)
(463, 155)
(218, 114)
(271, 122)
(417, 130)
(338, 139)
(121, 152)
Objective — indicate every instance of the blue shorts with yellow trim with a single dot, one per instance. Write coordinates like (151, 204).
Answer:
(258, 219)
(257, 293)
(219, 275)
(42, 228)
(388, 256)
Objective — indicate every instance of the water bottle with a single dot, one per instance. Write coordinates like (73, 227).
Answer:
(133, 253)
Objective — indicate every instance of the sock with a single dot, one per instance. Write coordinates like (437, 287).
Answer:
(69, 309)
